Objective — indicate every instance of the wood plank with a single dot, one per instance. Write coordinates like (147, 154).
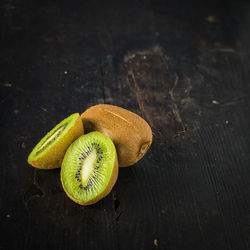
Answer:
(184, 67)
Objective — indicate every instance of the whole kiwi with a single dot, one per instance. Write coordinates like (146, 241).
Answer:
(130, 133)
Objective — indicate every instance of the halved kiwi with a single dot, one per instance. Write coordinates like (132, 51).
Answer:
(89, 169)
(49, 152)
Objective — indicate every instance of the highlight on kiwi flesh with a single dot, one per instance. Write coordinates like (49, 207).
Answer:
(49, 152)
(130, 133)
(89, 169)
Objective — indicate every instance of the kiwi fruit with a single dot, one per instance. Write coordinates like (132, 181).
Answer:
(89, 169)
(130, 133)
(49, 152)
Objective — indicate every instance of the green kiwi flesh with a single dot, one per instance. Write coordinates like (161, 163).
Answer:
(49, 151)
(89, 169)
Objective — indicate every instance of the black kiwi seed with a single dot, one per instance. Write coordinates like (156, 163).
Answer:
(77, 174)
(87, 187)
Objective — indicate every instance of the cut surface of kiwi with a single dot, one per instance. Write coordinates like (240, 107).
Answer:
(90, 168)
(49, 152)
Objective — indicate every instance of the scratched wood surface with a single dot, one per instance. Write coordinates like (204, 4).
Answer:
(183, 66)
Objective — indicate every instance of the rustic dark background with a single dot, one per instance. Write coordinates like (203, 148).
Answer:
(182, 65)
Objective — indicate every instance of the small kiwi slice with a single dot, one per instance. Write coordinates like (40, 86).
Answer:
(49, 152)
(89, 169)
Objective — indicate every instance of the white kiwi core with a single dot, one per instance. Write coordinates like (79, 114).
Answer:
(88, 166)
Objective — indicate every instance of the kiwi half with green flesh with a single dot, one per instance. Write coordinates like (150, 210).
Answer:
(89, 169)
(49, 152)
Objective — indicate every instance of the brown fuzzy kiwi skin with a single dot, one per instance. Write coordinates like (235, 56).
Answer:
(54, 156)
(106, 191)
(130, 133)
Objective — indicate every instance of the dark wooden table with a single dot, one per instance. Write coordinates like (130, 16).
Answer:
(183, 66)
